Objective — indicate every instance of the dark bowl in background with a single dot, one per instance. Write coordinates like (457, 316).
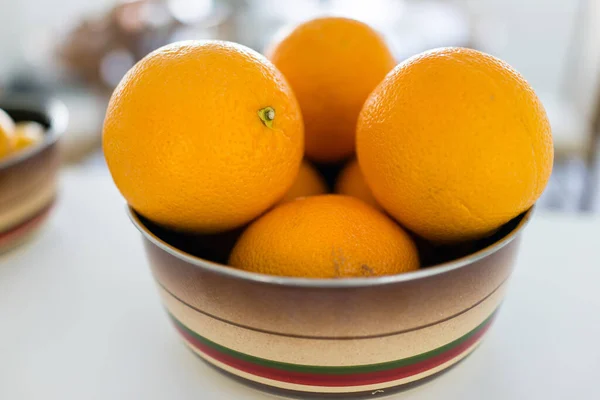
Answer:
(28, 178)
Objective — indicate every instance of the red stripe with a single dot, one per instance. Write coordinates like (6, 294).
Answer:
(303, 378)
(22, 229)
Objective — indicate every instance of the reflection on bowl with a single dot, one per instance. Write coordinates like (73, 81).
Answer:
(333, 336)
(28, 178)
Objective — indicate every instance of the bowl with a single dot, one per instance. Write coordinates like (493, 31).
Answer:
(355, 335)
(28, 178)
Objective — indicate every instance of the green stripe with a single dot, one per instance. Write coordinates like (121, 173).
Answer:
(334, 370)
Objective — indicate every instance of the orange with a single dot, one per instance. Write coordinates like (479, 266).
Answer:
(308, 183)
(351, 182)
(327, 236)
(27, 134)
(7, 129)
(454, 143)
(203, 136)
(332, 64)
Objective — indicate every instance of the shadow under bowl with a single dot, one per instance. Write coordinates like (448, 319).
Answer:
(28, 178)
(352, 335)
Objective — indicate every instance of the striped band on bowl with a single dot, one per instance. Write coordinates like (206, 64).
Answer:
(331, 376)
(16, 233)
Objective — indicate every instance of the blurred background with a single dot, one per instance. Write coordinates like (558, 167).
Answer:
(79, 50)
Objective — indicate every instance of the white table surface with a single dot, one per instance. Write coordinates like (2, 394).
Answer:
(80, 318)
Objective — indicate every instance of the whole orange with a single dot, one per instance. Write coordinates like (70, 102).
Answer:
(351, 182)
(203, 136)
(332, 64)
(327, 236)
(7, 129)
(454, 143)
(308, 183)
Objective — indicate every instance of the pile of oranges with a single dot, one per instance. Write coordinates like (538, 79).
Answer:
(208, 137)
(17, 137)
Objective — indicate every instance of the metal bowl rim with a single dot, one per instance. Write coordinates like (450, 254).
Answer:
(56, 112)
(231, 272)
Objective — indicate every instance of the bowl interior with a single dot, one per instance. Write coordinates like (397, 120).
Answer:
(21, 115)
